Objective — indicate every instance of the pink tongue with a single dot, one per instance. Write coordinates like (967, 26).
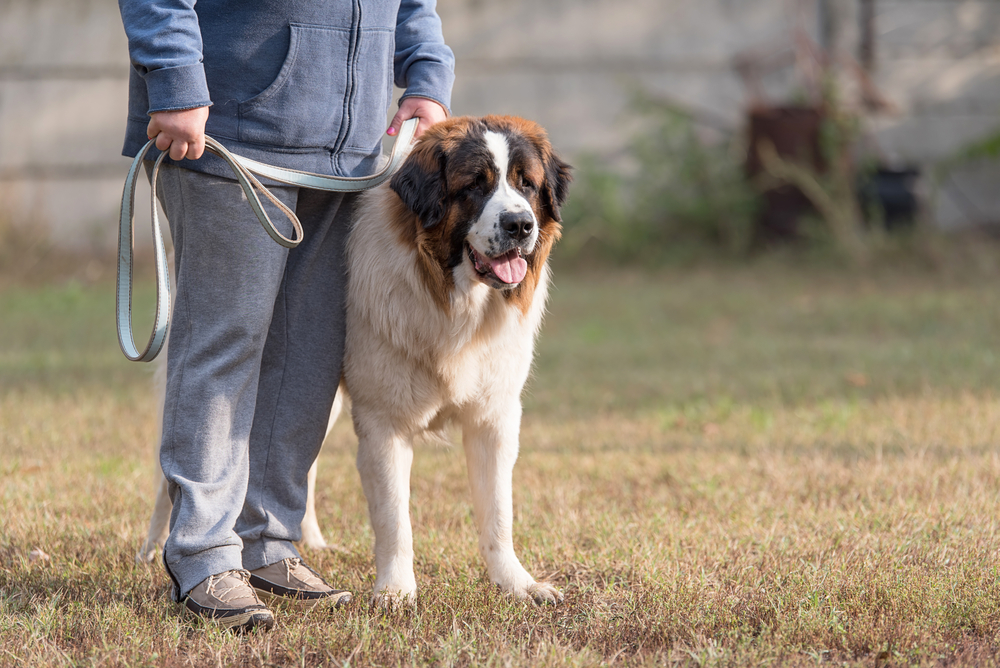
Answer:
(509, 268)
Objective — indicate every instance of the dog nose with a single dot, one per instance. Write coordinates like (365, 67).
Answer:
(518, 224)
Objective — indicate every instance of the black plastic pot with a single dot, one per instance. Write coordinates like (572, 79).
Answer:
(891, 191)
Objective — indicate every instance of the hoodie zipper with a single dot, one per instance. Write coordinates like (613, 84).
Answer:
(352, 73)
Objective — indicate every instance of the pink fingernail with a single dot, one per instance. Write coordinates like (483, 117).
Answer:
(391, 131)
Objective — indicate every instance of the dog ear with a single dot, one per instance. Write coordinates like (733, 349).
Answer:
(557, 179)
(420, 183)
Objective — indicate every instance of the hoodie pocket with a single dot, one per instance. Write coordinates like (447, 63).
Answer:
(305, 104)
(372, 90)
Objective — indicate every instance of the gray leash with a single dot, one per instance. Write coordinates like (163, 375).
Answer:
(244, 170)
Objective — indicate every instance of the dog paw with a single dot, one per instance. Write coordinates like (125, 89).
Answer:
(539, 593)
(543, 592)
(313, 541)
(145, 555)
(393, 601)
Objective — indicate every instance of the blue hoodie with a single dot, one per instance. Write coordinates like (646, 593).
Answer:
(303, 84)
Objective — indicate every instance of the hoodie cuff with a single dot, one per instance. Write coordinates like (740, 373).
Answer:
(173, 88)
(432, 80)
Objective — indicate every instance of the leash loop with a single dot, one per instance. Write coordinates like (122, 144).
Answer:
(244, 170)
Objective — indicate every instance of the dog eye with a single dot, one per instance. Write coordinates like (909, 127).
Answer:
(481, 183)
(526, 184)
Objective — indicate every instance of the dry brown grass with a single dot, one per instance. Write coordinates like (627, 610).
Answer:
(729, 468)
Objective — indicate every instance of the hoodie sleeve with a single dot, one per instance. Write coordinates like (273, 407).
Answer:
(424, 65)
(164, 43)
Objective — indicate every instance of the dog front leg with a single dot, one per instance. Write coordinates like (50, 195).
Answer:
(384, 461)
(490, 452)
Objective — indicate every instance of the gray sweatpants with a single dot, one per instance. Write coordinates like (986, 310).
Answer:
(256, 347)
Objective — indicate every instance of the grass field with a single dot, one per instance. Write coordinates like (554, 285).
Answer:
(742, 466)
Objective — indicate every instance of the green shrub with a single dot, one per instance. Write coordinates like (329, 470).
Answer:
(671, 195)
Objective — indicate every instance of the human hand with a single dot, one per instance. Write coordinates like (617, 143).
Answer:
(428, 111)
(182, 132)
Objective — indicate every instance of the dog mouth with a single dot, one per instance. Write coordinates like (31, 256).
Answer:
(503, 271)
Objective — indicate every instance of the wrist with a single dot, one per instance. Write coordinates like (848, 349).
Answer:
(177, 88)
(177, 111)
(420, 100)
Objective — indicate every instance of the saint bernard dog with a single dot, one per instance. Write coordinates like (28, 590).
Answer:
(448, 278)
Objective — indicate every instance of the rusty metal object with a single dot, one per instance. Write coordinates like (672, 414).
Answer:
(794, 131)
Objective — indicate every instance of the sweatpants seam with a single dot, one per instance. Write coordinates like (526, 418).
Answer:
(186, 348)
(185, 352)
(274, 413)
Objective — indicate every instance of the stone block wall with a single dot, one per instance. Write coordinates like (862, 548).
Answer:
(572, 65)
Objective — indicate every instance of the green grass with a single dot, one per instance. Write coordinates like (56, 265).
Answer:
(737, 466)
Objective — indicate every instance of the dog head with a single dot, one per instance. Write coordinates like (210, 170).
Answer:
(485, 194)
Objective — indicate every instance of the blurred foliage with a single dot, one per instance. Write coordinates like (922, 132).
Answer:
(985, 148)
(671, 195)
(832, 189)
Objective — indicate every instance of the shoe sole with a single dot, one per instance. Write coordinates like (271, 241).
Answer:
(240, 622)
(338, 600)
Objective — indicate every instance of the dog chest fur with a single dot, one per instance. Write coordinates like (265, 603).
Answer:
(401, 341)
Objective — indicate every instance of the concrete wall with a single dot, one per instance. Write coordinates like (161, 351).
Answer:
(570, 64)
(63, 79)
